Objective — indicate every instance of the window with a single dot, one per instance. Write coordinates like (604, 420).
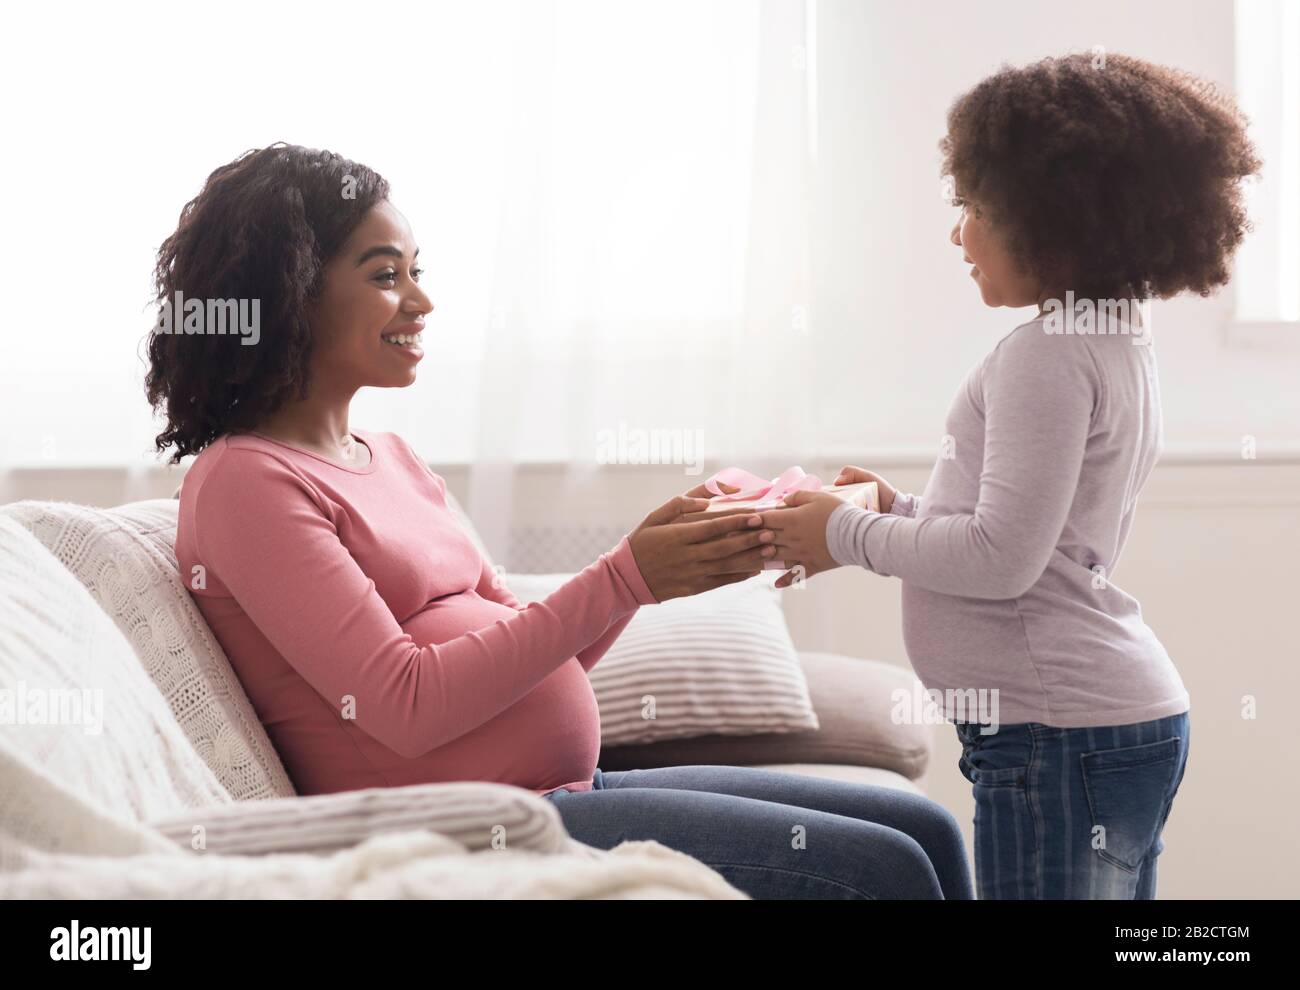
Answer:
(1267, 280)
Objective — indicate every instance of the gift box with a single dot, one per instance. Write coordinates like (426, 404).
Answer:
(760, 495)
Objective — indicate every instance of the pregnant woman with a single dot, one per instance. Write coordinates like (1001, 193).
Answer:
(375, 643)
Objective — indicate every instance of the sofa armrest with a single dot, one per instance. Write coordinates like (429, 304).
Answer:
(477, 815)
(854, 702)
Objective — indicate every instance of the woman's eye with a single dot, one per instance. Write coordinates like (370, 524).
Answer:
(391, 276)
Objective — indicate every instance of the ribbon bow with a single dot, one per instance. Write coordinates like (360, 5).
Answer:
(768, 493)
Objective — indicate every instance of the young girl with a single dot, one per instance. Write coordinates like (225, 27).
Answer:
(1084, 187)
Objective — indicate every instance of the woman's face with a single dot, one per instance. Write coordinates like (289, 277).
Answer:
(1000, 282)
(371, 295)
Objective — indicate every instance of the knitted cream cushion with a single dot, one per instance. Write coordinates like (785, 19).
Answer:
(76, 709)
(719, 663)
(125, 558)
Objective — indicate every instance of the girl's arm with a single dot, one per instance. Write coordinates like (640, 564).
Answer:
(1040, 393)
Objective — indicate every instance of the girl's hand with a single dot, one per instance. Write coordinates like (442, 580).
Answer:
(800, 529)
(850, 475)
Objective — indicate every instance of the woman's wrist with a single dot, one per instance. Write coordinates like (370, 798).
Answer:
(625, 564)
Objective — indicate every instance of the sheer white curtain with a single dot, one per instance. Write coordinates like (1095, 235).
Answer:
(651, 277)
(611, 201)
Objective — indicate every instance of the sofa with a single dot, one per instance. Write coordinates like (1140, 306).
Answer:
(181, 794)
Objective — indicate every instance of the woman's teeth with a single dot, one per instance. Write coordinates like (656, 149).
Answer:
(402, 339)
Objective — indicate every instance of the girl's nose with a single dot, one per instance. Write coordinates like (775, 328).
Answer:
(955, 236)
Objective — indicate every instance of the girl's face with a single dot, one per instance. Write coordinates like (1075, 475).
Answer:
(371, 293)
(1000, 282)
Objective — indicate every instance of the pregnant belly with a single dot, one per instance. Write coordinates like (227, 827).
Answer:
(549, 737)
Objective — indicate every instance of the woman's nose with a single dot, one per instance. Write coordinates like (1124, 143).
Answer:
(419, 302)
(955, 236)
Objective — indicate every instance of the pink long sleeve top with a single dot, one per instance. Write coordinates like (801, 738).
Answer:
(375, 643)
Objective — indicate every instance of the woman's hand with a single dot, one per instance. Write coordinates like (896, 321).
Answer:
(696, 500)
(850, 475)
(800, 528)
(679, 559)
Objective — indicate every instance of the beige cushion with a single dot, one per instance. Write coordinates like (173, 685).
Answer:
(477, 815)
(720, 663)
(125, 558)
(854, 705)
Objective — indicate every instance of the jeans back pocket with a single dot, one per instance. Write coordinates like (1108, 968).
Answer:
(1128, 789)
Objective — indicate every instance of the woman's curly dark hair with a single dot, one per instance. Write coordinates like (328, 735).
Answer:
(262, 228)
(1106, 174)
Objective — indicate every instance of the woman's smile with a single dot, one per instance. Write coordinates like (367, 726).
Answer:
(407, 340)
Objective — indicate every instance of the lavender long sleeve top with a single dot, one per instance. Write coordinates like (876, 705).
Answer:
(1008, 558)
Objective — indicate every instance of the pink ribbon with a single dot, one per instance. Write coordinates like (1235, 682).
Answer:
(769, 493)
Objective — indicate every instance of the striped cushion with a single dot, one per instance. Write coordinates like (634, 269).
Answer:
(478, 815)
(720, 663)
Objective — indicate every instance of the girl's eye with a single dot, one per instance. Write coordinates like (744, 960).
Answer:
(416, 273)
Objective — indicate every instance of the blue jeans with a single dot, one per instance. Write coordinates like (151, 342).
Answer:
(779, 835)
(1072, 813)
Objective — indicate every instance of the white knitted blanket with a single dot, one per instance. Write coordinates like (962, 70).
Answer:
(396, 865)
